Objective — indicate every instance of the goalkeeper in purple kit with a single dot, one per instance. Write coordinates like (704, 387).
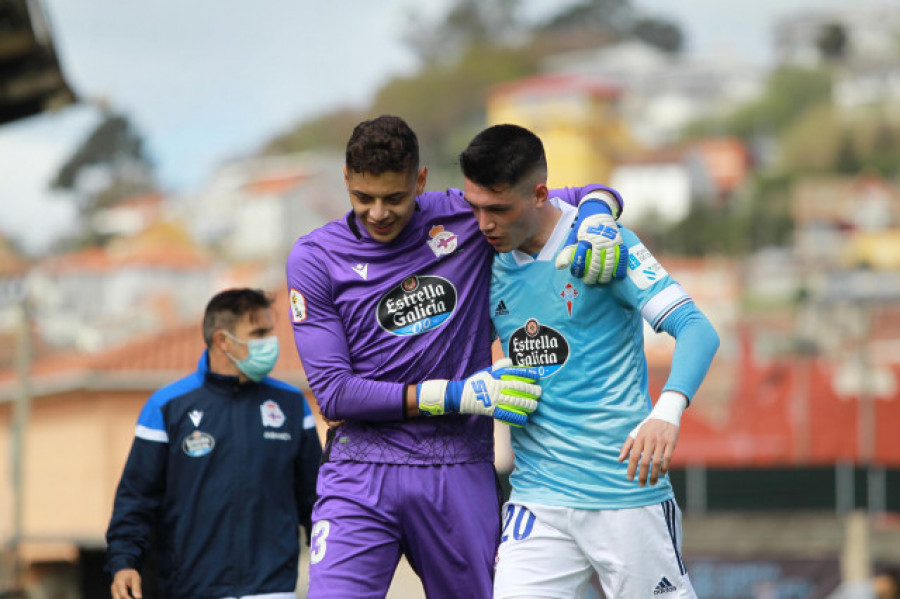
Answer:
(391, 319)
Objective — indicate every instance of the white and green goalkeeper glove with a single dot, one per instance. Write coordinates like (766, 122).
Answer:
(594, 251)
(505, 392)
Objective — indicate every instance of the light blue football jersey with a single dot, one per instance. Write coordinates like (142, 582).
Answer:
(588, 343)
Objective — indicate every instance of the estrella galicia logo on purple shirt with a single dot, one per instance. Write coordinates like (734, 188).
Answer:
(417, 305)
(539, 346)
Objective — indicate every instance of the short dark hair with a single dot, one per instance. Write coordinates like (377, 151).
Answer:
(503, 155)
(227, 307)
(383, 145)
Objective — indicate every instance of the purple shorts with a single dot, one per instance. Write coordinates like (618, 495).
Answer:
(445, 519)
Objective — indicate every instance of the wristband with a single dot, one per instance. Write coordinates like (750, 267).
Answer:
(669, 407)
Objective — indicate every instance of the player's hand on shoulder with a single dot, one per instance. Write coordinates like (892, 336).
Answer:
(505, 392)
(648, 449)
(594, 250)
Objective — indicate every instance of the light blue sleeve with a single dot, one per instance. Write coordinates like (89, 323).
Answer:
(696, 342)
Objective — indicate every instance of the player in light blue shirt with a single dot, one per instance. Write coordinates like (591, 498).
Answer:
(575, 505)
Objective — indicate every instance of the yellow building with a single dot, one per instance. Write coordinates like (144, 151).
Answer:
(576, 117)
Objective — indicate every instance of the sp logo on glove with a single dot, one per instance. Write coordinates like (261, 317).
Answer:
(594, 250)
(505, 392)
(481, 393)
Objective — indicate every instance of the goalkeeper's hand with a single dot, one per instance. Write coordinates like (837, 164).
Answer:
(594, 251)
(507, 393)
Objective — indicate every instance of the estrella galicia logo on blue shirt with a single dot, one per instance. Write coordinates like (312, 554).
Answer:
(539, 346)
(198, 444)
(417, 305)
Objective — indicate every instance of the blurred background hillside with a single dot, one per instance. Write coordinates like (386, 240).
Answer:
(764, 173)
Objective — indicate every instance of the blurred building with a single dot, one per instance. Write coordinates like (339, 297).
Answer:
(852, 222)
(131, 216)
(100, 296)
(663, 185)
(661, 93)
(577, 118)
(864, 32)
(254, 210)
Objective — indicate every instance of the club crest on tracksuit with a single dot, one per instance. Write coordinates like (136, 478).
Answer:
(442, 242)
(271, 414)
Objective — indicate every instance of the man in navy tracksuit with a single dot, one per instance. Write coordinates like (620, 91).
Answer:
(222, 470)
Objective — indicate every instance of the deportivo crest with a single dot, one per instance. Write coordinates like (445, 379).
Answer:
(569, 293)
(298, 306)
(442, 242)
(539, 346)
(198, 444)
(417, 305)
(271, 414)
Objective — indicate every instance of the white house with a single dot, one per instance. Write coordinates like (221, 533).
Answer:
(254, 209)
(663, 92)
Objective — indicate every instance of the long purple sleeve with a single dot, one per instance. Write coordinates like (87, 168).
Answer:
(322, 343)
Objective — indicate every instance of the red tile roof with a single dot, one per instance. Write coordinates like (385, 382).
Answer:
(275, 184)
(557, 84)
(98, 259)
(167, 353)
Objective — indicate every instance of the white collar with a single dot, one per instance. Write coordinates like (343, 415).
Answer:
(559, 235)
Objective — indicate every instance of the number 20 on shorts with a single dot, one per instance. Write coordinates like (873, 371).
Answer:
(518, 522)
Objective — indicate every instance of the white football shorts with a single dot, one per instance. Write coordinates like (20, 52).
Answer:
(551, 552)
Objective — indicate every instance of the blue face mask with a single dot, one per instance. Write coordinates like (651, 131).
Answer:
(261, 356)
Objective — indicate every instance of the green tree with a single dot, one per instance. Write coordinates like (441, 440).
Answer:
(662, 34)
(445, 102)
(789, 92)
(832, 42)
(846, 160)
(468, 23)
(811, 143)
(329, 131)
(600, 22)
(109, 166)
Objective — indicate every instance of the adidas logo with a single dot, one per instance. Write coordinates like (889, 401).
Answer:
(664, 587)
(501, 309)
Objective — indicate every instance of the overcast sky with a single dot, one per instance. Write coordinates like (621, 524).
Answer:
(204, 80)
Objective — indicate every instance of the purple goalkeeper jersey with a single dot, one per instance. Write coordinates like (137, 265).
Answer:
(371, 317)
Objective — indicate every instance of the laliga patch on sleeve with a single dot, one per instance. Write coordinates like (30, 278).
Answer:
(298, 306)
(643, 269)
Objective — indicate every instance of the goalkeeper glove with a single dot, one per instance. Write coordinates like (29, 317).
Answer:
(507, 393)
(594, 251)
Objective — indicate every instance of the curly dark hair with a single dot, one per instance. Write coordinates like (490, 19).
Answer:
(383, 145)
